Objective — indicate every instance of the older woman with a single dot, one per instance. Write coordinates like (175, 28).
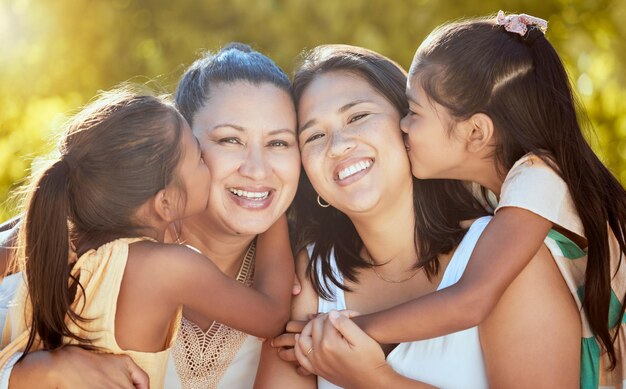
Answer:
(239, 105)
(382, 238)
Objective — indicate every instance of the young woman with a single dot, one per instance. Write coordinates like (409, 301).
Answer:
(403, 241)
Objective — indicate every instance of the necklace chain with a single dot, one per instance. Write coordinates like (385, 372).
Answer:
(373, 267)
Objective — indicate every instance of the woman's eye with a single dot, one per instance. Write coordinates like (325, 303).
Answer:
(357, 117)
(313, 137)
(234, 141)
(278, 143)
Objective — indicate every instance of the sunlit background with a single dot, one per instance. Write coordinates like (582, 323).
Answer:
(55, 55)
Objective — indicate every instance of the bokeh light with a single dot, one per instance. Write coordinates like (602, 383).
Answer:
(56, 55)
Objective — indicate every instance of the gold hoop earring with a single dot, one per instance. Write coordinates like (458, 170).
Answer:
(319, 201)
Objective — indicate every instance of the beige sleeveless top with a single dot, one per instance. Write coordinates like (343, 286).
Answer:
(202, 358)
(100, 273)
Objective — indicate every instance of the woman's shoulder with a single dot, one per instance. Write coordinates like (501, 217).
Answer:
(536, 314)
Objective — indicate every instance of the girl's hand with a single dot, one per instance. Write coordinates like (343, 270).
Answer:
(334, 347)
(286, 343)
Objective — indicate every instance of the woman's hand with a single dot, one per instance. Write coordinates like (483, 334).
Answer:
(334, 347)
(74, 367)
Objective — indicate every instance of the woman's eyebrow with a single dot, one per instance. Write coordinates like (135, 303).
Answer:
(351, 104)
(282, 131)
(308, 124)
(242, 129)
(342, 109)
(233, 126)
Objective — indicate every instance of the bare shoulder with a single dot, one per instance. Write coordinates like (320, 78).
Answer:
(169, 252)
(540, 287)
(304, 303)
(537, 313)
(169, 266)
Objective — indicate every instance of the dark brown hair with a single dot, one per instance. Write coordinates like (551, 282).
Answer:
(476, 66)
(233, 62)
(439, 205)
(116, 154)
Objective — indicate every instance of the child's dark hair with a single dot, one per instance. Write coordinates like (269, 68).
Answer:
(234, 62)
(439, 205)
(475, 66)
(116, 154)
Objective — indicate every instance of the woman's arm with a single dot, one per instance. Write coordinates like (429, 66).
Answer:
(507, 245)
(74, 367)
(273, 372)
(274, 270)
(532, 337)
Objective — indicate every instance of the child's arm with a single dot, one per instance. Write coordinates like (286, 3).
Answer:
(197, 283)
(274, 271)
(509, 242)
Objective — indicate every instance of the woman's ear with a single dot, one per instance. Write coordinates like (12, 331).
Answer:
(479, 132)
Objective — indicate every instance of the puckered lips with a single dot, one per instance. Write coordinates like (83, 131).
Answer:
(251, 197)
(405, 138)
(352, 170)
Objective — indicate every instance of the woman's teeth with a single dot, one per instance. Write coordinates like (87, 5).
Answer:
(353, 169)
(249, 195)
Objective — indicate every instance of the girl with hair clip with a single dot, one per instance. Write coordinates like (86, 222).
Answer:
(490, 102)
(97, 271)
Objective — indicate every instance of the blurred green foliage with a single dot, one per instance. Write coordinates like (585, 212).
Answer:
(56, 55)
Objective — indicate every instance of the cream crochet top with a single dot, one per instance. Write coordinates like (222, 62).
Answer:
(202, 358)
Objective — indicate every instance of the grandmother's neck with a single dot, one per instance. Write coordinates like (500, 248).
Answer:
(221, 247)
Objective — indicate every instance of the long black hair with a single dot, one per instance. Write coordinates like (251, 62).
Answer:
(439, 205)
(520, 82)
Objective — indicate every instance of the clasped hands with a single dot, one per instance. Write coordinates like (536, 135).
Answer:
(332, 346)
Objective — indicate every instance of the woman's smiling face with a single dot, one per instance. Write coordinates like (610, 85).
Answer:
(248, 137)
(350, 142)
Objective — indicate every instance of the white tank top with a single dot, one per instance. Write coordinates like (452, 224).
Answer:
(450, 361)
